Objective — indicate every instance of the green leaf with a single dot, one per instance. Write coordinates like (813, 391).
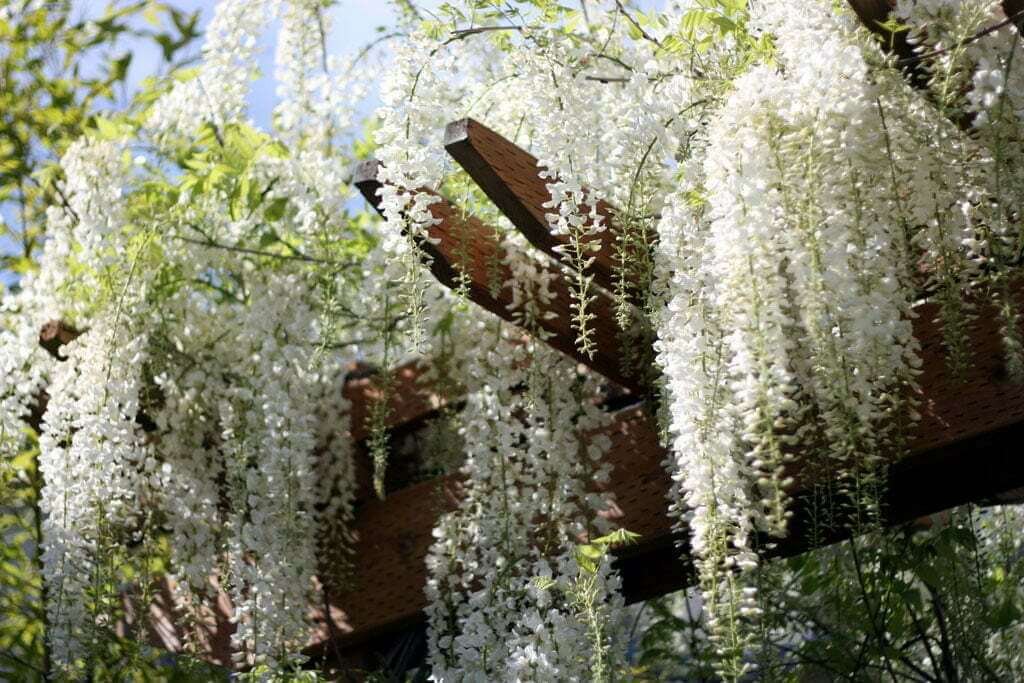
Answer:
(617, 538)
(107, 129)
(119, 67)
(275, 210)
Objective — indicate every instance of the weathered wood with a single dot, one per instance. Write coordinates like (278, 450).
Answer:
(411, 399)
(965, 448)
(1015, 10)
(52, 336)
(509, 176)
(463, 253)
(874, 14)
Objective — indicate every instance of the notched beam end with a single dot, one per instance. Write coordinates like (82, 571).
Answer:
(457, 132)
(461, 250)
(364, 177)
(874, 14)
(510, 177)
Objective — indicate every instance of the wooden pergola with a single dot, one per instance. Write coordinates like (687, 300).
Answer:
(967, 447)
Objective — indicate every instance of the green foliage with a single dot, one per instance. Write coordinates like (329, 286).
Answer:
(902, 602)
(590, 555)
(22, 645)
(723, 25)
(50, 93)
(226, 162)
(587, 601)
(268, 674)
(56, 72)
(673, 644)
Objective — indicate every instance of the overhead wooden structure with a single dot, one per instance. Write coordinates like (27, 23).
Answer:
(509, 177)
(461, 251)
(967, 446)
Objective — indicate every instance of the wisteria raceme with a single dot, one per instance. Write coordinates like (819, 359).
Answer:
(238, 419)
(97, 467)
(978, 72)
(800, 216)
(268, 436)
(781, 200)
(502, 568)
(216, 92)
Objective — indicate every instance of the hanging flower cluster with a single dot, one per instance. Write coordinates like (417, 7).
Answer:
(793, 250)
(506, 589)
(97, 466)
(503, 570)
(216, 91)
(782, 200)
(213, 270)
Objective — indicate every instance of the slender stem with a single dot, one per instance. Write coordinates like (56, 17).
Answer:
(37, 518)
(636, 25)
(211, 244)
(463, 33)
(966, 41)
(948, 666)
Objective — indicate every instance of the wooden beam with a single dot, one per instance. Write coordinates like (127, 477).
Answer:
(965, 448)
(411, 402)
(464, 253)
(54, 334)
(1015, 10)
(875, 13)
(508, 175)
(411, 399)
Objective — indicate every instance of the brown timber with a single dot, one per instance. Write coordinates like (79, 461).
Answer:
(464, 253)
(509, 176)
(968, 446)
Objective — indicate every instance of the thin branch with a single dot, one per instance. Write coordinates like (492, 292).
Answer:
(21, 662)
(906, 61)
(946, 647)
(463, 33)
(64, 200)
(257, 252)
(636, 25)
(878, 629)
(366, 49)
(586, 13)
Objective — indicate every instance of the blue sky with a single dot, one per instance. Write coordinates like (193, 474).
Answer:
(354, 24)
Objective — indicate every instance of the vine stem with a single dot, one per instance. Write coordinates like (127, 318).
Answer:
(907, 61)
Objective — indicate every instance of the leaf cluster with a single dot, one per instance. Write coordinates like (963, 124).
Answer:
(56, 72)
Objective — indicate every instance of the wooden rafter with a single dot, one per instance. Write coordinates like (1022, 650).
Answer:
(875, 15)
(965, 448)
(464, 253)
(411, 400)
(509, 176)
(971, 426)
